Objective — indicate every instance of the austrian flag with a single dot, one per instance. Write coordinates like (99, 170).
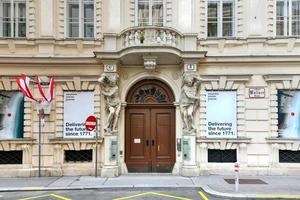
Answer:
(24, 82)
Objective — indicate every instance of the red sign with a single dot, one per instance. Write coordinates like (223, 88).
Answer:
(90, 123)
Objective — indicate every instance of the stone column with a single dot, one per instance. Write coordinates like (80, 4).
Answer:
(123, 167)
(178, 163)
(110, 118)
(189, 101)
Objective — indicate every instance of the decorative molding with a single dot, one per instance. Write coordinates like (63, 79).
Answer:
(150, 63)
(61, 19)
(271, 18)
(203, 19)
(31, 19)
(239, 18)
(98, 20)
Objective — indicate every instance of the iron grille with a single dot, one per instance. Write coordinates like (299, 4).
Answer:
(286, 156)
(216, 155)
(11, 157)
(78, 156)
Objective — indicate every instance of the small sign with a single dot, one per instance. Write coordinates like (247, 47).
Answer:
(137, 140)
(90, 123)
(256, 92)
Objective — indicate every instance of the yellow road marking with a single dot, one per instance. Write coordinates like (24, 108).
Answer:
(203, 196)
(285, 196)
(47, 195)
(152, 193)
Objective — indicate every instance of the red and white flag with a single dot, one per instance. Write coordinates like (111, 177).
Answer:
(23, 84)
(49, 96)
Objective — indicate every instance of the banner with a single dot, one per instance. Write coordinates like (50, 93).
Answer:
(288, 114)
(11, 115)
(77, 107)
(221, 114)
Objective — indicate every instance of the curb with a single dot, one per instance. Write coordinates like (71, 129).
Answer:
(205, 188)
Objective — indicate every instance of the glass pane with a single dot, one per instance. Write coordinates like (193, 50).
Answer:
(157, 14)
(280, 28)
(212, 18)
(22, 10)
(73, 11)
(6, 10)
(22, 30)
(73, 20)
(227, 11)
(296, 18)
(227, 29)
(227, 19)
(212, 10)
(89, 11)
(6, 20)
(212, 30)
(280, 9)
(143, 14)
(73, 30)
(6, 29)
(88, 30)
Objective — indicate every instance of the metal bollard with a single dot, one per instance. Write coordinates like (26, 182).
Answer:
(236, 170)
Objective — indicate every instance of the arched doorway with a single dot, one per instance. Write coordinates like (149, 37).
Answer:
(150, 127)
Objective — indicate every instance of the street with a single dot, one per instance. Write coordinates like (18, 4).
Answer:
(112, 194)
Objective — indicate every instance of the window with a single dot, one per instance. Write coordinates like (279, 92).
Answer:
(80, 18)
(286, 156)
(12, 18)
(215, 155)
(150, 12)
(288, 17)
(220, 18)
(79, 156)
(11, 157)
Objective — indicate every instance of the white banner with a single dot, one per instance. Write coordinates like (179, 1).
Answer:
(221, 114)
(77, 107)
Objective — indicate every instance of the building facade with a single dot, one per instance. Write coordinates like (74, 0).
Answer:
(179, 86)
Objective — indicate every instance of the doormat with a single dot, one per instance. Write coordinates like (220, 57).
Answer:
(246, 181)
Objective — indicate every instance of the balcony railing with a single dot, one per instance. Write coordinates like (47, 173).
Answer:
(151, 36)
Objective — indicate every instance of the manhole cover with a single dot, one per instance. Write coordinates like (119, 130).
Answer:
(246, 181)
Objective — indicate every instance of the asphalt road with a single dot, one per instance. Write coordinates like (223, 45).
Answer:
(112, 194)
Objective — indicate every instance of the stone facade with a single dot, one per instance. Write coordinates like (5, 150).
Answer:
(253, 58)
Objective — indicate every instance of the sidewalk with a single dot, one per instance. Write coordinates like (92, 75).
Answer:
(275, 187)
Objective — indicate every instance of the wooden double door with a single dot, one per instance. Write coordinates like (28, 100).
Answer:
(150, 139)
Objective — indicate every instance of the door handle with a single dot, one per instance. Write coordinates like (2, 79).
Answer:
(147, 142)
(152, 142)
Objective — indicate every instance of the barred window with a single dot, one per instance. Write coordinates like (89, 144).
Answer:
(12, 18)
(220, 18)
(216, 155)
(80, 18)
(78, 156)
(11, 157)
(286, 156)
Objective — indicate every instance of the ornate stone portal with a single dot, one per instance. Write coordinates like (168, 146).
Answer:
(110, 90)
(189, 100)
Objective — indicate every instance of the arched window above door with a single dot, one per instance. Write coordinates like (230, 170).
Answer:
(150, 92)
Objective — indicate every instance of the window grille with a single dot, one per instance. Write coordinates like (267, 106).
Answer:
(11, 157)
(216, 155)
(286, 156)
(79, 156)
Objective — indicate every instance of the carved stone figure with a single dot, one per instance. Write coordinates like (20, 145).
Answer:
(110, 90)
(188, 100)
